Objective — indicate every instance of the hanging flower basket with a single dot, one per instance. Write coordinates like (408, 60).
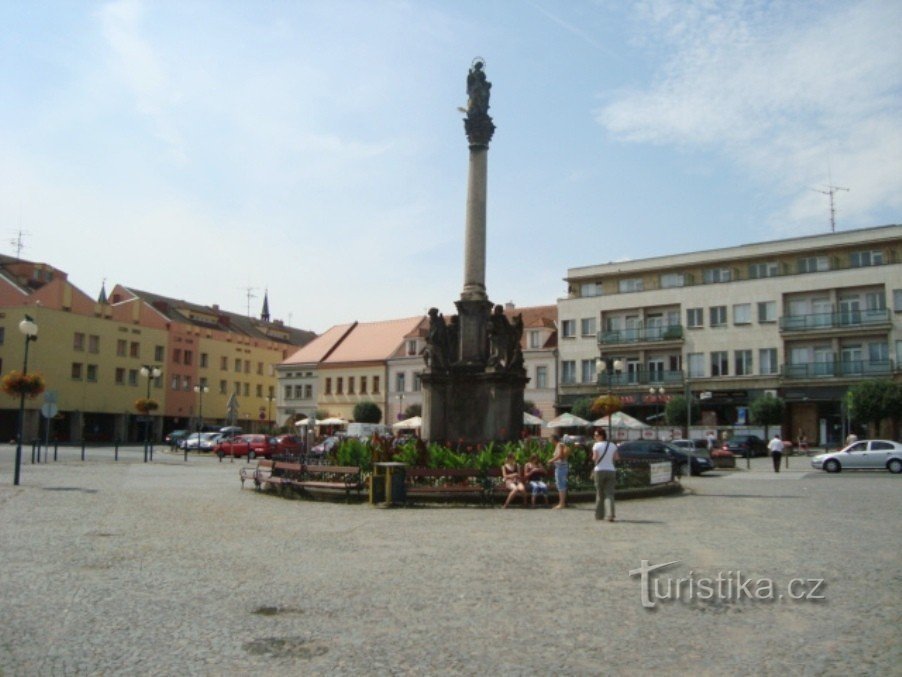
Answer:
(16, 384)
(606, 405)
(145, 405)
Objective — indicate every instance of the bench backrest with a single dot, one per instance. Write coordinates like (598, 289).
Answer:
(332, 469)
(455, 473)
(287, 467)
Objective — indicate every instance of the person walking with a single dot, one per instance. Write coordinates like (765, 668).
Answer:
(559, 461)
(604, 453)
(776, 451)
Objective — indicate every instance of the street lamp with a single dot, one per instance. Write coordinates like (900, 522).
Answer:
(401, 405)
(150, 372)
(30, 330)
(657, 396)
(604, 365)
(269, 399)
(200, 390)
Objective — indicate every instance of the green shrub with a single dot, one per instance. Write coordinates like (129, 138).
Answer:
(352, 451)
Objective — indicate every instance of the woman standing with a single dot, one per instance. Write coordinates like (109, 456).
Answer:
(604, 453)
(561, 469)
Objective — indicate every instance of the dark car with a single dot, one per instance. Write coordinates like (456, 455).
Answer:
(288, 444)
(746, 445)
(176, 436)
(661, 450)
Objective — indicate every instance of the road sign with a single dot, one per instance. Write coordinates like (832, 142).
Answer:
(49, 410)
(705, 395)
(50, 396)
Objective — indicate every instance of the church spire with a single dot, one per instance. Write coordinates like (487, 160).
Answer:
(264, 314)
(102, 298)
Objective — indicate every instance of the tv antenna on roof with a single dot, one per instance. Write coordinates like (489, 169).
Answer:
(831, 191)
(249, 292)
(18, 243)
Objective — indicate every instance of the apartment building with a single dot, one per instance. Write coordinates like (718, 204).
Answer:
(91, 354)
(803, 318)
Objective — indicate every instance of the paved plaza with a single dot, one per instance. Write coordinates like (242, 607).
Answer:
(170, 568)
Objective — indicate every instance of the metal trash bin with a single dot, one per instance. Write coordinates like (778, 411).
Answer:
(387, 483)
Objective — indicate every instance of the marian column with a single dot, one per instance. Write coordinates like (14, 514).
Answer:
(474, 305)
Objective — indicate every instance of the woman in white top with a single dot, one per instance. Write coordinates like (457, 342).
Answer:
(604, 454)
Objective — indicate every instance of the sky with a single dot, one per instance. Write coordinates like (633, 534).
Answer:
(215, 151)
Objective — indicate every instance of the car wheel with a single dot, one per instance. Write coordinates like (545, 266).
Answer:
(894, 466)
(832, 466)
(251, 455)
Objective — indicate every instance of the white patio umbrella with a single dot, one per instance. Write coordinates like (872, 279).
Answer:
(306, 421)
(621, 420)
(332, 421)
(529, 419)
(413, 422)
(568, 421)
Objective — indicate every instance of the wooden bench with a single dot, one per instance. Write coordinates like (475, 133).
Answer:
(330, 479)
(274, 473)
(257, 473)
(501, 491)
(462, 481)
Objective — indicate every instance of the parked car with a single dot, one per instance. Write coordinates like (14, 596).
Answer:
(200, 441)
(862, 455)
(288, 444)
(746, 445)
(176, 436)
(699, 447)
(648, 448)
(251, 446)
(326, 446)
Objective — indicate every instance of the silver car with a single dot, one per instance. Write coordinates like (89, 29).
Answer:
(862, 455)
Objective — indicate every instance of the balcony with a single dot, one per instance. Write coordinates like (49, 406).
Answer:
(672, 332)
(841, 320)
(833, 369)
(640, 378)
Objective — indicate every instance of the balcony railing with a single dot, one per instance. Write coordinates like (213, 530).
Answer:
(849, 318)
(835, 369)
(673, 332)
(638, 378)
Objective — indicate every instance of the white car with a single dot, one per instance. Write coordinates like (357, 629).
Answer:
(862, 455)
(202, 441)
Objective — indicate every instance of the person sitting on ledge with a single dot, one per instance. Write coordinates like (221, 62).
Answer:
(510, 473)
(534, 474)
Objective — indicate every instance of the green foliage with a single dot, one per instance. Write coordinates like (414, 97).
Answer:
(675, 411)
(367, 412)
(320, 414)
(353, 451)
(439, 456)
(413, 410)
(408, 453)
(583, 408)
(872, 401)
(767, 411)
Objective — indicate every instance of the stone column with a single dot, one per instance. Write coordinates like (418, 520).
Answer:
(474, 244)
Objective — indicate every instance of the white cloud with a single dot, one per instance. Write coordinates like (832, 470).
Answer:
(788, 91)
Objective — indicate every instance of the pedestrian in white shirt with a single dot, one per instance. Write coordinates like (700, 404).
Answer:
(604, 454)
(776, 451)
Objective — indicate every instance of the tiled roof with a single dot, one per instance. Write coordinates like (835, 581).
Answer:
(315, 351)
(373, 341)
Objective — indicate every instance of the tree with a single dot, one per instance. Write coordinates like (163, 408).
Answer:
(675, 412)
(767, 411)
(530, 408)
(605, 405)
(413, 410)
(583, 408)
(367, 412)
(872, 401)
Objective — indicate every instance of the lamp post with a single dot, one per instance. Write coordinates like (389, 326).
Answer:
(401, 405)
(608, 366)
(150, 372)
(200, 390)
(657, 396)
(269, 398)
(30, 330)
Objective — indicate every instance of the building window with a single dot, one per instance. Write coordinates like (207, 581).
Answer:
(350, 385)
(223, 363)
(189, 357)
(878, 352)
(259, 390)
(375, 385)
(158, 353)
(288, 393)
(742, 313)
(133, 377)
(78, 341)
(590, 289)
(535, 335)
(715, 275)
(174, 383)
(767, 360)
(695, 317)
(767, 311)
(340, 385)
(742, 362)
(897, 300)
(177, 355)
(587, 326)
(2, 335)
(328, 388)
(76, 371)
(587, 371)
(135, 349)
(717, 316)
(759, 270)
(568, 372)
(247, 389)
(866, 258)
(121, 347)
(259, 369)
(720, 363)
(898, 353)
(696, 365)
(669, 280)
(93, 344)
(417, 382)
(812, 264)
(92, 373)
(247, 366)
(399, 382)
(237, 387)
(631, 284)
(363, 385)
(223, 387)
(298, 391)
(541, 377)
(120, 376)
(411, 347)
(308, 389)
(568, 328)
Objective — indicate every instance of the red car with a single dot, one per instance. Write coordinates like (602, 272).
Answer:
(246, 445)
(288, 444)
